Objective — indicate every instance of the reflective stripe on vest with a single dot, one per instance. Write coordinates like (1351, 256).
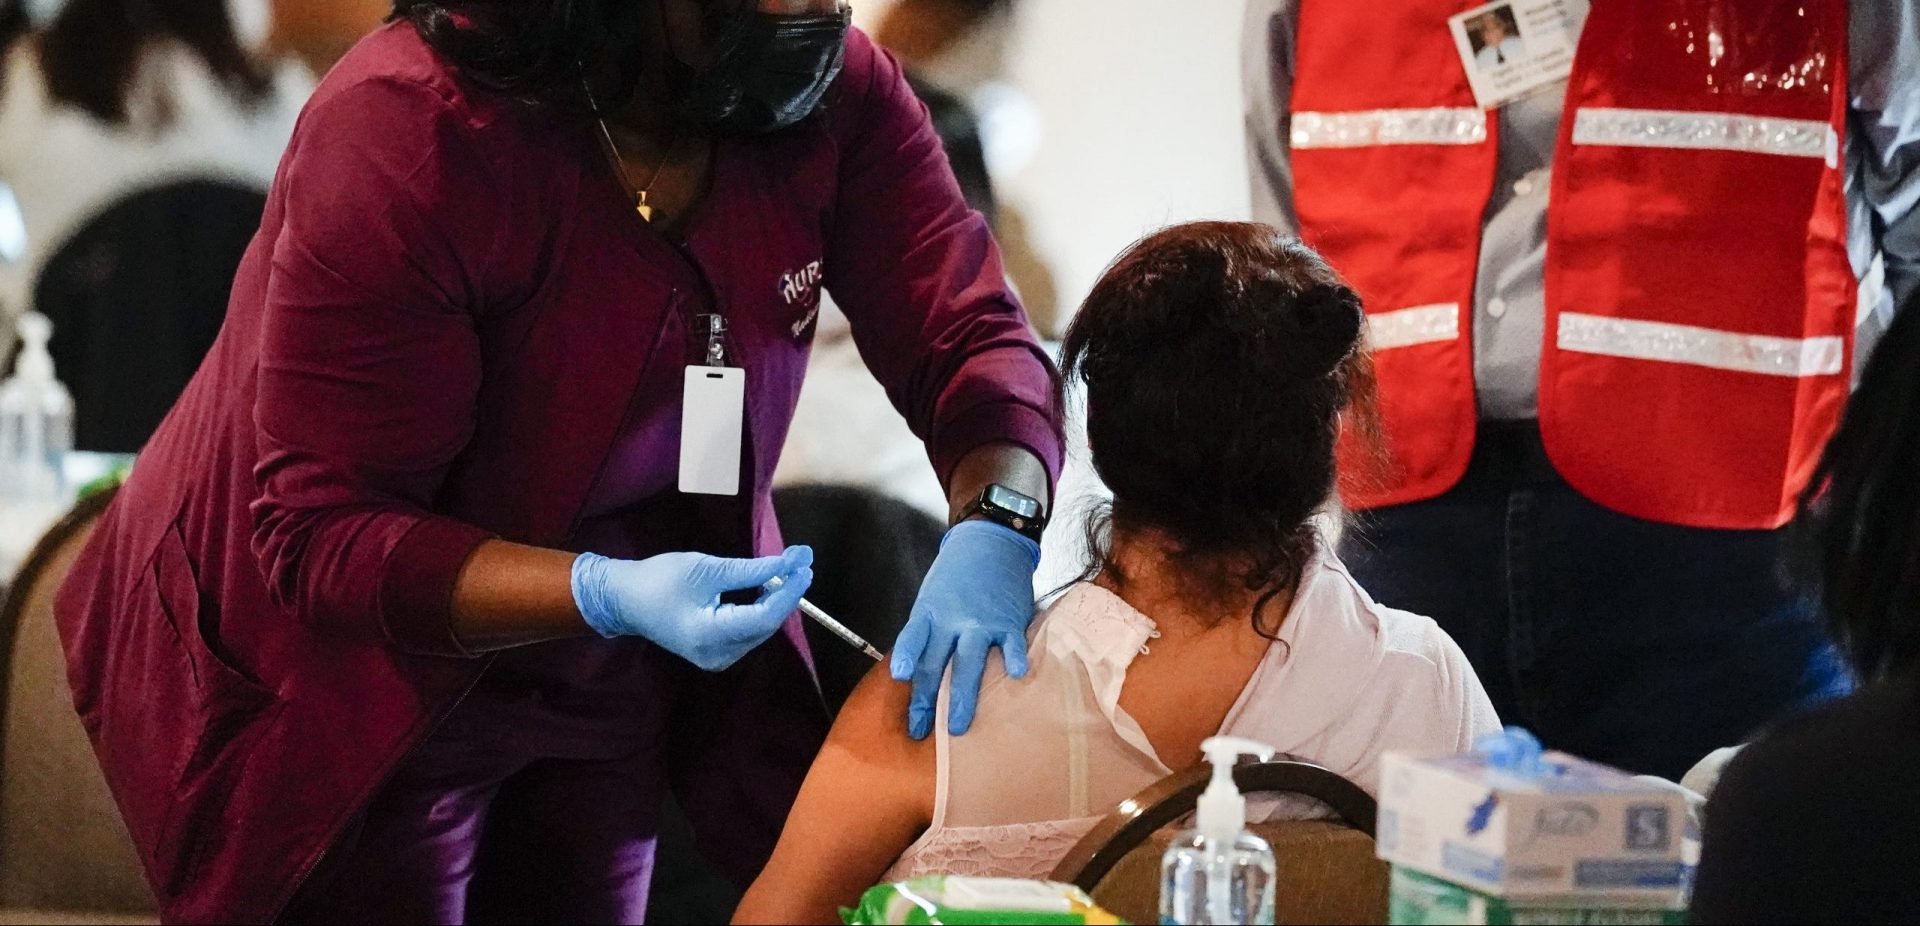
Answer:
(1426, 324)
(1704, 347)
(1661, 128)
(1445, 125)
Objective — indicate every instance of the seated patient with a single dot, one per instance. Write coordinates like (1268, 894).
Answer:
(1217, 361)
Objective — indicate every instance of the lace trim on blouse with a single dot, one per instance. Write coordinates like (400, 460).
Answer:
(1013, 850)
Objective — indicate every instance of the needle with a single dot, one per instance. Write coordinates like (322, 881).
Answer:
(835, 627)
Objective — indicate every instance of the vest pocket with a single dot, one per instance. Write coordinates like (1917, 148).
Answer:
(179, 721)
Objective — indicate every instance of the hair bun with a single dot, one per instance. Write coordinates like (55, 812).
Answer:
(1328, 325)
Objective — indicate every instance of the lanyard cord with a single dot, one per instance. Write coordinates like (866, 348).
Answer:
(640, 193)
(714, 321)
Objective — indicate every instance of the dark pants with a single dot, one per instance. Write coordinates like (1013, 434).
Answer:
(538, 800)
(1637, 644)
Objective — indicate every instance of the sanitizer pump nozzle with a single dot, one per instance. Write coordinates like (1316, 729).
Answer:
(1218, 872)
(1222, 810)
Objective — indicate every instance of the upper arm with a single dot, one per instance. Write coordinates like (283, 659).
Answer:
(369, 362)
(1885, 97)
(1457, 690)
(869, 795)
(1477, 716)
(1266, 73)
(368, 351)
(921, 281)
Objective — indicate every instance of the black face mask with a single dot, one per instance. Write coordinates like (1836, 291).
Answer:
(772, 72)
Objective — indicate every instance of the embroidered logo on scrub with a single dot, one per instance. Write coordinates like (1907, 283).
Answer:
(801, 289)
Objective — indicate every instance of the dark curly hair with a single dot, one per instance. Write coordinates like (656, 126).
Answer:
(533, 49)
(90, 51)
(1859, 518)
(1217, 359)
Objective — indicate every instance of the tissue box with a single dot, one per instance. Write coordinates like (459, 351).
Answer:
(1578, 835)
(1419, 900)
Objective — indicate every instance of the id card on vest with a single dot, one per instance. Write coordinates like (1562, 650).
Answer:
(1512, 48)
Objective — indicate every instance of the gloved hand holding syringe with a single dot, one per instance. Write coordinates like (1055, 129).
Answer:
(835, 627)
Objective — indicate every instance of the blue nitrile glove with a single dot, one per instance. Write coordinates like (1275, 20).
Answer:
(978, 595)
(674, 600)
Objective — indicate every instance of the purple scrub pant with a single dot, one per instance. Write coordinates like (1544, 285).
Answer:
(537, 799)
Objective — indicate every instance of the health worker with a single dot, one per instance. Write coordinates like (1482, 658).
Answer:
(436, 582)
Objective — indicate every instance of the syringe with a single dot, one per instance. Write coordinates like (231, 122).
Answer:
(835, 627)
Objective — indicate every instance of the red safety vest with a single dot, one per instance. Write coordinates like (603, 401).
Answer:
(1698, 294)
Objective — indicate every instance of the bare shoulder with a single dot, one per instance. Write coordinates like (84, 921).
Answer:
(871, 731)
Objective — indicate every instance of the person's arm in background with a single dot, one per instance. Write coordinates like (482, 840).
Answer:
(13, 284)
(921, 282)
(1885, 92)
(321, 33)
(1266, 71)
(869, 795)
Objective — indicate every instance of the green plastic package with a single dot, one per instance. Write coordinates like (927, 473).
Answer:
(957, 900)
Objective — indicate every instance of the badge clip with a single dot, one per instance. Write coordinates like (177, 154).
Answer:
(716, 340)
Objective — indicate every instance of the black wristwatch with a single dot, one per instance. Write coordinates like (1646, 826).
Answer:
(1017, 512)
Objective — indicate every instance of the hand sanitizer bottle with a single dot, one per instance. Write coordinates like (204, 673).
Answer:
(1218, 872)
(36, 422)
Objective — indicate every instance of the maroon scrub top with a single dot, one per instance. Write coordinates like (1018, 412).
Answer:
(447, 322)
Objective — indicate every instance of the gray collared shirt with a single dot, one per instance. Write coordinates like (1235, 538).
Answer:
(1509, 302)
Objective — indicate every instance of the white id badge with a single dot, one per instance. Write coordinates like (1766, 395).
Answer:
(712, 419)
(1512, 48)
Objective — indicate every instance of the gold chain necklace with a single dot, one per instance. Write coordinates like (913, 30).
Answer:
(640, 194)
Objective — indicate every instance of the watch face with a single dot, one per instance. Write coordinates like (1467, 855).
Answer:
(1001, 497)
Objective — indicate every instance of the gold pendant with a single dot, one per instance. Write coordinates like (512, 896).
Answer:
(646, 211)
